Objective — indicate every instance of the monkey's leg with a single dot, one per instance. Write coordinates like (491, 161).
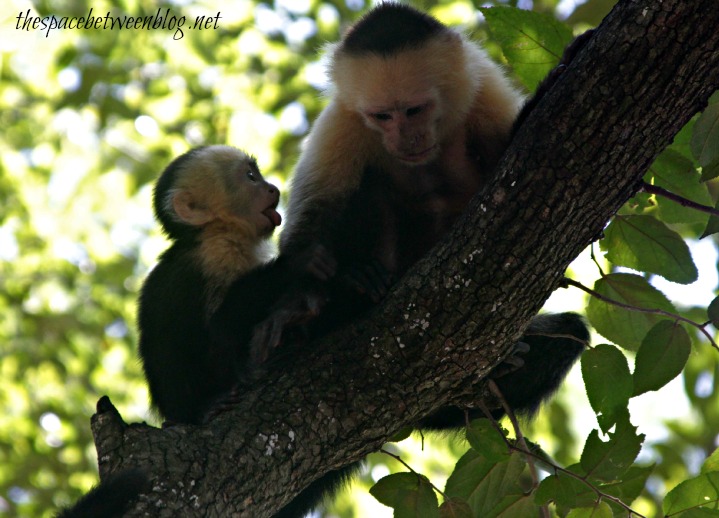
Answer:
(555, 343)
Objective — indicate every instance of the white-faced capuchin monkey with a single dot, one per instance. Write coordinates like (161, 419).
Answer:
(200, 303)
(417, 120)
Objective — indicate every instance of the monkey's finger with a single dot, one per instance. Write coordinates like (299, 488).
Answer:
(275, 335)
(520, 348)
(321, 263)
(381, 279)
(323, 267)
(350, 278)
(511, 363)
(259, 344)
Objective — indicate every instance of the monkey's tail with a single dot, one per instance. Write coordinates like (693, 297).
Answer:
(111, 498)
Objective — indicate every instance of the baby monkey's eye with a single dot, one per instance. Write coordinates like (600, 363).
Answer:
(251, 175)
(382, 116)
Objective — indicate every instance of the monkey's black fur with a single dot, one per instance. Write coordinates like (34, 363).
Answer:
(410, 28)
(111, 498)
(189, 361)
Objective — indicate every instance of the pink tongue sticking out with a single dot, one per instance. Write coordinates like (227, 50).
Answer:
(274, 216)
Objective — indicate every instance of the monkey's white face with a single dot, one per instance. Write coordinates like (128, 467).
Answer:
(256, 198)
(223, 183)
(408, 129)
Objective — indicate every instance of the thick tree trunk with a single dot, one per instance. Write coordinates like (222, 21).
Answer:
(580, 155)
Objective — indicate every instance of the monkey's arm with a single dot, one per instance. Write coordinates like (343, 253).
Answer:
(180, 361)
(251, 297)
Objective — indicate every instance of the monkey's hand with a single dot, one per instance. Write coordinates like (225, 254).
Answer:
(292, 311)
(511, 363)
(316, 261)
(372, 280)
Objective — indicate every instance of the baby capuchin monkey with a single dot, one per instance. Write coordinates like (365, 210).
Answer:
(199, 305)
(417, 120)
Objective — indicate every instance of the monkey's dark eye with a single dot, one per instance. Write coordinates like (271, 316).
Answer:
(382, 116)
(251, 175)
(414, 110)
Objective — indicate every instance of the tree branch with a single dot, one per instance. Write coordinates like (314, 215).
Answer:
(577, 158)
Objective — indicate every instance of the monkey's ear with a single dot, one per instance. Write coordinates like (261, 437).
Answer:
(189, 211)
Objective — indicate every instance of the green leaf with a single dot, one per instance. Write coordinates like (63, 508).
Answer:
(410, 495)
(608, 382)
(402, 434)
(515, 505)
(713, 223)
(564, 491)
(455, 508)
(700, 512)
(625, 327)
(710, 171)
(678, 175)
(532, 42)
(602, 510)
(569, 493)
(695, 492)
(484, 437)
(489, 487)
(631, 485)
(712, 462)
(608, 461)
(648, 245)
(661, 357)
(713, 312)
(705, 139)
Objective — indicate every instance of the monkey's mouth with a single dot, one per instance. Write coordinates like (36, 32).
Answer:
(419, 157)
(272, 214)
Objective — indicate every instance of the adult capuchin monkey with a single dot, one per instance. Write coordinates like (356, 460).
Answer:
(417, 120)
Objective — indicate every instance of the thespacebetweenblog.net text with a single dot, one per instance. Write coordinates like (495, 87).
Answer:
(161, 20)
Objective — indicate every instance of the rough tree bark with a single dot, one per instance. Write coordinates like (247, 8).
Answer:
(648, 69)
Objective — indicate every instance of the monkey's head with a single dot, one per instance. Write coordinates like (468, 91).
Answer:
(404, 74)
(215, 184)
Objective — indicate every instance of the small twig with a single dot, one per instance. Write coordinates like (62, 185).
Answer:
(594, 259)
(518, 433)
(520, 438)
(653, 311)
(654, 189)
(494, 389)
(585, 343)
